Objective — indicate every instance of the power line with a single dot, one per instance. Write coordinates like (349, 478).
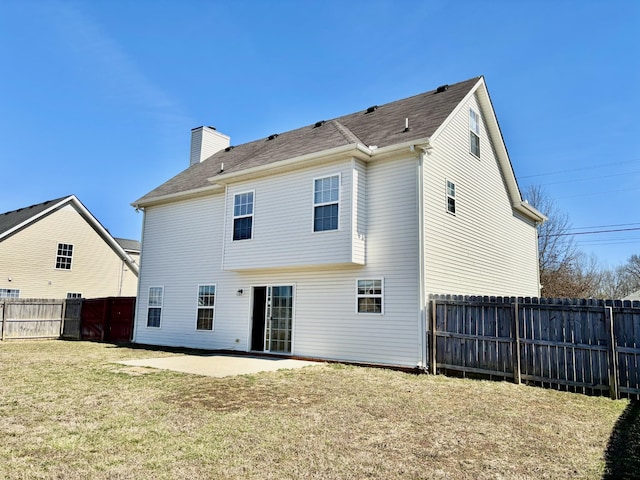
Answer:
(581, 169)
(593, 232)
(605, 226)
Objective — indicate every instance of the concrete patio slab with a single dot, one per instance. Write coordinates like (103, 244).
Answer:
(219, 365)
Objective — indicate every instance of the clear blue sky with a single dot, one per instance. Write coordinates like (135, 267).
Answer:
(97, 98)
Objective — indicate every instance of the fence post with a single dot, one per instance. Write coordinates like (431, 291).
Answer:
(2, 318)
(613, 355)
(516, 347)
(432, 337)
(64, 313)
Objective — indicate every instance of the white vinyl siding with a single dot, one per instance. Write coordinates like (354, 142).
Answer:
(489, 249)
(285, 215)
(325, 323)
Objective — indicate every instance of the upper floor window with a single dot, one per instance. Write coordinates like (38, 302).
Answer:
(326, 197)
(451, 197)
(9, 293)
(243, 216)
(154, 312)
(206, 307)
(63, 258)
(474, 132)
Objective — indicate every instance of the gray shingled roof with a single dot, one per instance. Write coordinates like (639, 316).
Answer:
(9, 220)
(381, 127)
(128, 245)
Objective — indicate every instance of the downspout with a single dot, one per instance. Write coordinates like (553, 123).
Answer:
(224, 225)
(135, 316)
(122, 264)
(422, 319)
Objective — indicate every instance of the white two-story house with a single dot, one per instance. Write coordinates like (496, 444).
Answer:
(325, 241)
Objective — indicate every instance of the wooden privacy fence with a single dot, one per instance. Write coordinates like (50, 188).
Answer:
(105, 319)
(22, 318)
(584, 345)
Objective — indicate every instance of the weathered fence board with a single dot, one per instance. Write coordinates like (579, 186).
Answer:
(591, 346)
(31, 318)
(71, 323)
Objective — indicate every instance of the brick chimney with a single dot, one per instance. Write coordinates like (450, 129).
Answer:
(205, 141)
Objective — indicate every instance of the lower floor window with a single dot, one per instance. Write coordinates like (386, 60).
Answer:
(370, 296)
(154, 312)
(9, 293)
(74, 295)
(206, 307)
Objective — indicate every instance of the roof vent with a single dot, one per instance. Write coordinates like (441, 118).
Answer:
(442, 88)
(372, 109)
(229, 148)
(271, 137)
(319, 124)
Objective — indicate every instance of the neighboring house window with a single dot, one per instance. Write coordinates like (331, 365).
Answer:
(74, 295)
(9, 293)
(243, 216)
(474, 132)
(206, 307)
(370, 296)
(63, 258)
(451, 197)
(155, 306)
(326, 197)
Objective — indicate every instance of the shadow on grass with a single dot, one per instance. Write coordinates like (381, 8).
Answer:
(623, 452)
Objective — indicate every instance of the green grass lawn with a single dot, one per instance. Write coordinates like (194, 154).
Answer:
(67, 411)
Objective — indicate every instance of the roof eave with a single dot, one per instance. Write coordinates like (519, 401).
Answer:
(353, 149)
(532, 213)
(160, 199)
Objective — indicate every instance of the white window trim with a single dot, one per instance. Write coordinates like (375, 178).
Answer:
(314, 204)
(198, 307)
(161, 306)
(234, 216)
(74, 293)
(73, 248)
(448, 196)
(471, 131)
(380, 296)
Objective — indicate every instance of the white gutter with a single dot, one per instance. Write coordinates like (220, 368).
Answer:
(530, 211)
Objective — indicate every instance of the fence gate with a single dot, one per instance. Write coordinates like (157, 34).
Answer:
(107, 319)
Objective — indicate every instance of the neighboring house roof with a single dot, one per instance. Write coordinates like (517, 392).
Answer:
(129, 246)
(17, 220)
(633, 296)
(12, 220)
(364, 134)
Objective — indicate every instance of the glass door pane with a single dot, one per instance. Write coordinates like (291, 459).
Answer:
(279, 319)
